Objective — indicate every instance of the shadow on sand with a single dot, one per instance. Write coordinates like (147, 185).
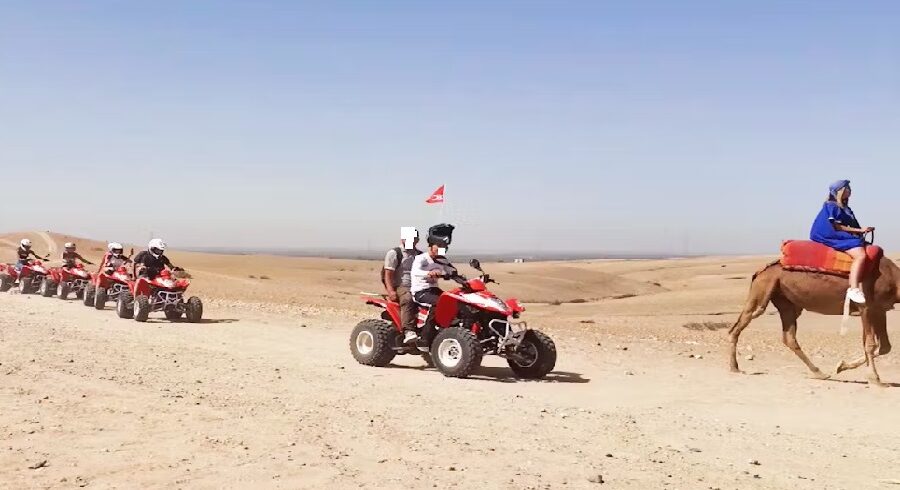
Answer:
(204, 321)
(855, 382)
(505, 375)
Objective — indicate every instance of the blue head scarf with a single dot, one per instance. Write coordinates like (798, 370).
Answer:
(836, 186)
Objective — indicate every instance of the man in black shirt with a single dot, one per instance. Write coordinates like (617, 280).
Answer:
(153, 261)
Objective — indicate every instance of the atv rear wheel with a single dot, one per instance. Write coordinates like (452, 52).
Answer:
(535, 356)
(79, 294)
(47, 287)
(141, 308)
(456, 352)
(62, 290)
(371, 342)
(6, 283)
(193, 310)
(125, 305)
(100, 297)
(173, 315)
(24, 285)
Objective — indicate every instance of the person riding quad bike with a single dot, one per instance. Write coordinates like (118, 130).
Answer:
(427, 268)
(149, 263)
(114, 257)
(25, 253)
(70, 255)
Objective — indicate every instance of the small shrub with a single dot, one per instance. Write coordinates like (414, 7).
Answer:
(578, 301)
(555, 303)
(251, 276)
(265, 278)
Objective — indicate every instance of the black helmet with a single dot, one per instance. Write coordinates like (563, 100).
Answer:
(441, 235)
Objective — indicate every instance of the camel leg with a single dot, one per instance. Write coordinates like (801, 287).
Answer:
(760, 294)
(735, 332)
(789, 314)
(846, 366)
(869, 320)
(879, 325)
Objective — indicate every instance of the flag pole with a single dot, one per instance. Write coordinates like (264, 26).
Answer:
(443, 201)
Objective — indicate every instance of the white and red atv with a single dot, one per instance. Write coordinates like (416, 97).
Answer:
(64, 280)
(106, 286)
(468, 322)
(163, 293)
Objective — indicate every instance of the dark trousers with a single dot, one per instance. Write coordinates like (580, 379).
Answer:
(429, 297)
(409, 311)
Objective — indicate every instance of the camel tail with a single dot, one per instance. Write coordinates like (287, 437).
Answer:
(762, 287)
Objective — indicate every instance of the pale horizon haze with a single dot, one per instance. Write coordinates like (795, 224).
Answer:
(600, 127)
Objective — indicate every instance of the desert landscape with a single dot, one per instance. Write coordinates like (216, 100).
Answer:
(264, 392)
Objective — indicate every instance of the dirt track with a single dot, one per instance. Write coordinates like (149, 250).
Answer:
(261, 400)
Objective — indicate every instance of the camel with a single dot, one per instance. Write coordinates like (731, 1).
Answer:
(793, 291)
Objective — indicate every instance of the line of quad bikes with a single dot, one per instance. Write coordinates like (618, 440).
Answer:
(134, 298)
(468, 322)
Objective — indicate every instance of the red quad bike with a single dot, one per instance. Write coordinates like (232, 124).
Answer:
(64, 280)
(163, 293)
(107, 285)
(30, 277)
(468, 323)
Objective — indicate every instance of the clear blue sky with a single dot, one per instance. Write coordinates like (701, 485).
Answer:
(601, 126)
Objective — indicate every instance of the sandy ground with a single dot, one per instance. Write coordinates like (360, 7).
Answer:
(265, 393)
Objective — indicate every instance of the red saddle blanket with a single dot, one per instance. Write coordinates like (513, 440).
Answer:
(804, 255)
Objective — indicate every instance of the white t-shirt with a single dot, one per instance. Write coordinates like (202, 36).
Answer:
(419, 273)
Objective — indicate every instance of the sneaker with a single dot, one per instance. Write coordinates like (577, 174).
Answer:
(410, 337)
(856, 295)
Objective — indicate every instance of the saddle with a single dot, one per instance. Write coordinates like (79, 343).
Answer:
(809, 256)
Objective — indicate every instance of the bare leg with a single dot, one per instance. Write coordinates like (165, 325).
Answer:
(856, 269)
(789, 314)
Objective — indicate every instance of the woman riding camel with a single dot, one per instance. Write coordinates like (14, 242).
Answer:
(836, 226)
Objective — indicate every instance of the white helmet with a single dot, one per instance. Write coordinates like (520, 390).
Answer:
(113, 246)
(26, 243)
(69, 245)
(156, 247)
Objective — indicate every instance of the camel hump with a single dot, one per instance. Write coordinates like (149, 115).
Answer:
(809, 256)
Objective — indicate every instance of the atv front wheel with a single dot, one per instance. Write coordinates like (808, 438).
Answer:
(193, 310)
(6, 283)
(100, 297)
(62, 290)
(125, 305)
(141, 308)
(371, 341)
(456, 352)
(535, 356)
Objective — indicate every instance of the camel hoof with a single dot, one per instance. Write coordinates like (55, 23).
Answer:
(819, 375)
(735, 370)
(840, 368)
(877, 382)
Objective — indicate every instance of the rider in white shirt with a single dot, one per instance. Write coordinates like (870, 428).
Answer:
(427, 268)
